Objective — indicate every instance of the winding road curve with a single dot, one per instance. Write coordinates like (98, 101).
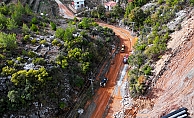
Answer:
(103, 95)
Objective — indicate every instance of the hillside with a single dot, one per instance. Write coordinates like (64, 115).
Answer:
(175, 85)
(49, 7)
(49, 64)
(172, 79)
(45, 63)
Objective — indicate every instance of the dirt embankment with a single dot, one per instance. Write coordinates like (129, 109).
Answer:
(175, 86)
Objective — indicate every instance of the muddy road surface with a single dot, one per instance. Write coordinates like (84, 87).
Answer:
(107, 100)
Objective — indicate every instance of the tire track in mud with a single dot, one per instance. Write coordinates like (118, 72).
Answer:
(117, 97)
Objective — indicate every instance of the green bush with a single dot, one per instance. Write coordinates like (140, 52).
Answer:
(37, 32)
(10, 62)
(8, 41)
(34, 20)
(33, 41)
(34, 28)
(101, 10)
(27, 85)
(3, 19)
(11, 24)
(160, 1)
(94, 24)
(55, 42)
(59, 33)
(24, 52)
(2, 26)
(53, 26)
(62, 105)
(16, 16)
(147, 70)
(2, 56)
(94, 14)
(8, 70)
(26, 37)
(43, 42)
(31, 54)
(64, 63)
(83, 33)
(68, 35)
(25, 29)
(39, 61)
(108, 39)
(43, 24)
(85, 23)
(13, 96)
(19, 8)
(85, 67)
(79, 81)
(27, 9)
(191, 2)
(73, 23)
(19, 59)
(4, 9)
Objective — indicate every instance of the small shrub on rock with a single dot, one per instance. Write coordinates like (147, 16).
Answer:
(55, 42)
(32, 54)
(33, 41)
(25, 29)
(34, 20)
(34, 28)
(8, 70)
(39, 61)
(53, 26)
(43, 42)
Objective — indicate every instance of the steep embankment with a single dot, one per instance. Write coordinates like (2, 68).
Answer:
(175, 85)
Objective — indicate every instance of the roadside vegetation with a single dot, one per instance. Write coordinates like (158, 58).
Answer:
(151, 24)
(30, 76)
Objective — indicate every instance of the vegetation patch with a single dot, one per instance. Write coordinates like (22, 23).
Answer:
(44, 63)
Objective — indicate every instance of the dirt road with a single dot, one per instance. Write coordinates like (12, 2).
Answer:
(108, 100)
(64, 11)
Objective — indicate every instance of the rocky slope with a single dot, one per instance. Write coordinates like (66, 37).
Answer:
(175, 85)
(38, 48)
(173, 82)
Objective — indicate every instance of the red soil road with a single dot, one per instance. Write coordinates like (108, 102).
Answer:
(103, 94)
(64, 11)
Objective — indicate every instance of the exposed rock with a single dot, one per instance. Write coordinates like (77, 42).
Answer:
(179, 17)
(29, 66)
